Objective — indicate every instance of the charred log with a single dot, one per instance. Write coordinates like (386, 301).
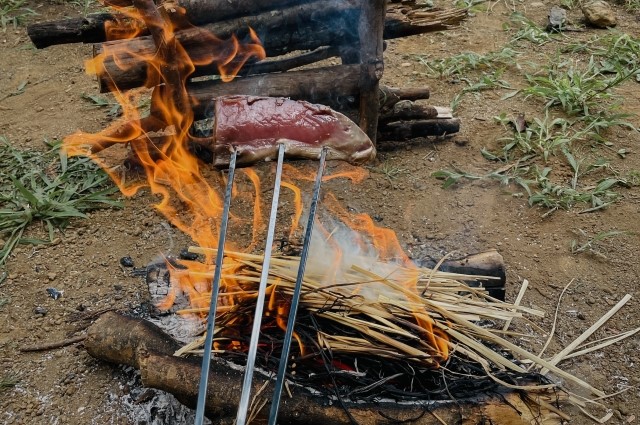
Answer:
(401, 21)
(331, 86)
(90, 29)
(407, 110)
(390, 96)
(404, 130)
(207, 11)
(303, 27)
(123, 340)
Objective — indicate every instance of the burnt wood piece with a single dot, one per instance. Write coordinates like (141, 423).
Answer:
(296, 28)
(404, 130)
(301, 27)
(407, 110)
(489, 263)
(401, 21)
(389, 96)
(123, 340)
(330, 85)
(90, 29)
(208, 11)
(370, 29)
(288, 63)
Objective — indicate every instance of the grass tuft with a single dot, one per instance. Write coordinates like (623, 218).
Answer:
(14, 13)
(49, 188)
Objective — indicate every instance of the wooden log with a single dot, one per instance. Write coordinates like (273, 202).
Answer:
(404, 19)
(90, 29)
(330, 85)
(407, 110)
(404, 130)
(296, 28)
(389, 96)
(488, 263)
(333, 86)
(208, 11)
(123, 340)
(370, 30)
(288, 63)
(300, 27)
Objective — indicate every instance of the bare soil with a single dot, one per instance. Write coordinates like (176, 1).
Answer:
(67, 386)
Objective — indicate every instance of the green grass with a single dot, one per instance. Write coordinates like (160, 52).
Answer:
(591, 244)
(487, 81)
(47, 188)
(632, 5)
(14, 13)
(577, 90)
(527, 30)
(561, 158)
(8, 381)
(389, 171)
(462, 63)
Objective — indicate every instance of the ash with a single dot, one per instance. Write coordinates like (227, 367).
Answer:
(145, 406)
(181, 328)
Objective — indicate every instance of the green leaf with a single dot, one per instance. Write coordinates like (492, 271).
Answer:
(23, 190)
(510, 94)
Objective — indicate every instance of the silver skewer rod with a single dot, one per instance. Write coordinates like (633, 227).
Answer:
(215, 291)
(243, 408)
(293, 310)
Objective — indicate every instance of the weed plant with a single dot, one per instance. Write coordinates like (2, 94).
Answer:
(8, 381)
(580, 107)
(49, 188)
(14, 13)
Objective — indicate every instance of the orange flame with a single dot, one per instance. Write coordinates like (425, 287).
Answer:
(190, 196)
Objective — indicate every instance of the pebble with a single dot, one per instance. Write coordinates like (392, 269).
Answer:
(599, 14)
(52, 276)
(41, 311)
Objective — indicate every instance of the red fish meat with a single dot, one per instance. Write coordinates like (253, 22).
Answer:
(255, 126)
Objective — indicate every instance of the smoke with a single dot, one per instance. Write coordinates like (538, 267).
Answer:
(337, 252)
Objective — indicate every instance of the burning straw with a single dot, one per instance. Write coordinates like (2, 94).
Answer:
(419, 318)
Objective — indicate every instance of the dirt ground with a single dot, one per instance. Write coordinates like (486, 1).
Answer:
(67, 386)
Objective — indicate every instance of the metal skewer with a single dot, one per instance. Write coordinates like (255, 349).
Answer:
(293, 311)
(215, 290)
(262, 289)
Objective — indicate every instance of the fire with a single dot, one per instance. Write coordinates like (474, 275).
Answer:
(190, 194)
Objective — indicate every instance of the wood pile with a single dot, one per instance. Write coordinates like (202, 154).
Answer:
(294, 34)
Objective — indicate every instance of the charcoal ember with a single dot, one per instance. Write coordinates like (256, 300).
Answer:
(186, 255)
(54, 293)
(127, 261)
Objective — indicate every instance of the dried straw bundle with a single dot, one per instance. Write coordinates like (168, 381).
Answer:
(414, 314)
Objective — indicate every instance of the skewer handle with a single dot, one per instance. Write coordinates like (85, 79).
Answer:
(215, 291)
(243, 407)
(293, 311)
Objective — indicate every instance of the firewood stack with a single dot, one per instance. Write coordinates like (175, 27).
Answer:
(293, 33)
